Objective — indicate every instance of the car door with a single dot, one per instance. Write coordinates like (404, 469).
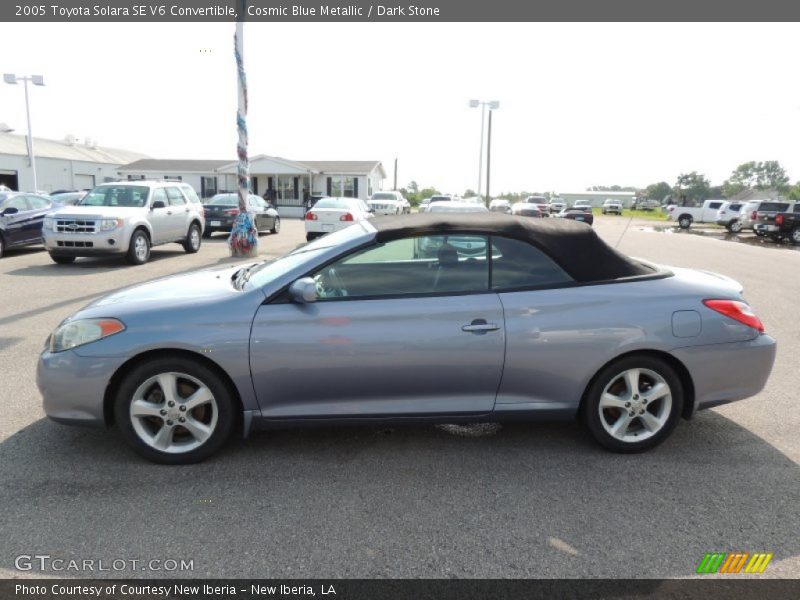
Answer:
(392, 333)
(178, 214)
(39, 207)
(15, 224)
(160, 215)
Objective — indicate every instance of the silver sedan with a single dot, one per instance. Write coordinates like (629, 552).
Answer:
(453, 318)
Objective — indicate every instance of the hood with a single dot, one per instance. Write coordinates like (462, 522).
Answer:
(195, 288)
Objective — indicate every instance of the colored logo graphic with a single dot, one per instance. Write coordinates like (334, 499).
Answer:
(734, 562)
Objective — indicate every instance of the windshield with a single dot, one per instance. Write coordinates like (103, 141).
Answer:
(129, 196)
(440, 198)
(262, 274)
(335, 203)
(383, 196)
(225, 200)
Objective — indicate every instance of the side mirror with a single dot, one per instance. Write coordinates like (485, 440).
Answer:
(11, 210)
(158, 204)
(303, 291)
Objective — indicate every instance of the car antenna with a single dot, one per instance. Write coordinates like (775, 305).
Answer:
(624, 231)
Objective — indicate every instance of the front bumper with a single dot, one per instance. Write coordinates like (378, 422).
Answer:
(87, 244)
(73, 387)
(723, 373)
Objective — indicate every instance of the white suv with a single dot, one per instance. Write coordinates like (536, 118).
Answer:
(389, 203)
(126, 218)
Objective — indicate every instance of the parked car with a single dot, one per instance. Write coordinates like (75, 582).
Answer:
(459, 207)
(541, 203)
(765, 217)
(788, 224)
(21, 219)
(389, 203)
(612, 206)
(582, 204)
(556, 205)
(332, 214)
(645, 204)
(500, 205)
(438, 198)
(388, 337)
(526, 209)
(686, 215)
(222, 210)
(126, 218)
(423, 205)
(68, 198)
(748, 214)
(728, 216)
(578, 214)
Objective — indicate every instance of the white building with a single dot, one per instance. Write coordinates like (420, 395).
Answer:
(288, 181)
(64, 165)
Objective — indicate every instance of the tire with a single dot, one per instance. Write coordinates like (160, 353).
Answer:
(193, 239)
(139, 248)
(62, 260)
(611, 385)
(794, 236)
(276, 227)
(310, 236)
(157, 433)
(735, 226)
(685, 221)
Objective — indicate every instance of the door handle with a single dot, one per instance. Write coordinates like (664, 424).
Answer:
(480, 326)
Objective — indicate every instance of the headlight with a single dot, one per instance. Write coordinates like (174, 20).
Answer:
(110, 224)
(83, 331)
(49, 224)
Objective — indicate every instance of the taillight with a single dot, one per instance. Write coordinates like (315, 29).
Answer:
(311, 216)
(778, 220)
(738, 311)
(232, 211)
(346, 217)
(754, 215)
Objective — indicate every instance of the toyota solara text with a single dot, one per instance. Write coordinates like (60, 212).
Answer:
(452, 318)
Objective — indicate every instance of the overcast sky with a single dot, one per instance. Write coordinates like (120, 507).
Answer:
(581, 104)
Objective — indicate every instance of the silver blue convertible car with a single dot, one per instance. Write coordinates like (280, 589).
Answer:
(420, 318)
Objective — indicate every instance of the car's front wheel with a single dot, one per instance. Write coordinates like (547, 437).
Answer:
(174, 411)
(193, 239)
(633, 404)
(276, 226)
(735, 226)
(139, 248)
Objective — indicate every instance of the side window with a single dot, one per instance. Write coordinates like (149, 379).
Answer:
(175, 197)
(735, 207)
(409, 266)
(517, 264)
(38, 203)
(796, 208)
(18, 202)
(190, 194)
(714, 205)
(160, 194)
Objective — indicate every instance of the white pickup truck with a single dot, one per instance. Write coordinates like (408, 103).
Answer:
(686, 215)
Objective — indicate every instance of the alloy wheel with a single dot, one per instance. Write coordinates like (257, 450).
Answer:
(140, 248)
(194, 238)
(174, 412)
(635, 405)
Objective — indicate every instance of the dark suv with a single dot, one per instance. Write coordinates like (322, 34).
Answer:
(21, 218)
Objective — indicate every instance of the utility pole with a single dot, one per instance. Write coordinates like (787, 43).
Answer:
(395, 175)
(488, 156)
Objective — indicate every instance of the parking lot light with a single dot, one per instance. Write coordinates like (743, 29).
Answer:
(13, 79)
(493, 105)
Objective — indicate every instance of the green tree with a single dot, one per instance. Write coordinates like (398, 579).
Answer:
(772, 175)
(793, 192)
(413, 188)
(754, 175)
(692, 187)
(658, 191)
(469, 193)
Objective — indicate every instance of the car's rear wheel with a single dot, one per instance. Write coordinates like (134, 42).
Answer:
(633, 404)
(174, 411)
(276, 226)
(139, 248)
(795, 235)
(193, 239)
(62, 260)
(685, 221)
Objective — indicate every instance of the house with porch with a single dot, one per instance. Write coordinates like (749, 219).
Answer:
(288, 181)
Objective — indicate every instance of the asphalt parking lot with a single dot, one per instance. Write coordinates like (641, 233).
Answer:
(530, 500)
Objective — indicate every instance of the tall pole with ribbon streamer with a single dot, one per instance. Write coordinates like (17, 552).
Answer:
(243, 240)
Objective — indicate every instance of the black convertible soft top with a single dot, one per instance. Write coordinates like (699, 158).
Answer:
(574, 246)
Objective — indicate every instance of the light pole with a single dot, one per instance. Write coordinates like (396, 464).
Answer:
(36, 80)
(493, 105)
